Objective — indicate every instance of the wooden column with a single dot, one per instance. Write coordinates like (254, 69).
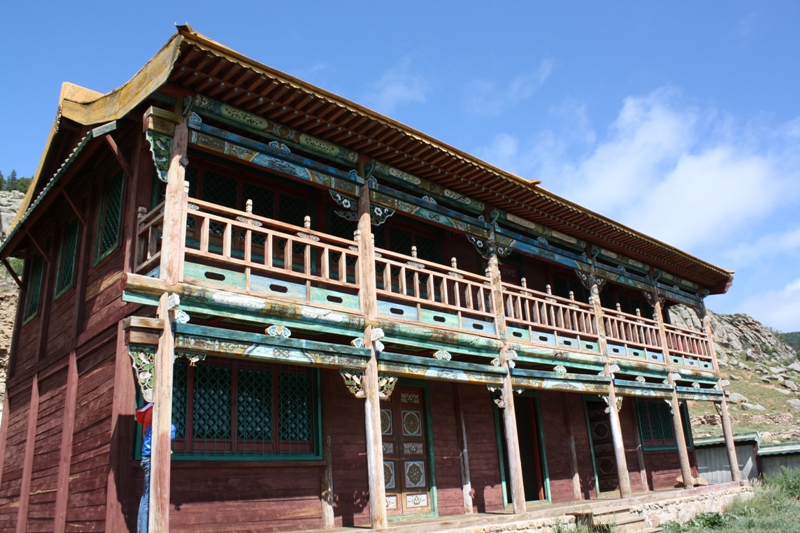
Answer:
(461, 430)
(637, 439)
(623, 477)
(4, 434)
(65, 453)
(509, 413)
(171, 271)
(372, 407)
(677, 423)
(326, 474)
(730, 446)
(573, 454)
(27, 462)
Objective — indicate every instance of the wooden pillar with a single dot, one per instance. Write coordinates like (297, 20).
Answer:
(573, 454)
(326, 474)
(171, 271)
(461, 430)
(730, 446)
(65, 453)
(637, 439)
(4, 434)
(623, 477)
(677, 423)
(372, 407)
(509, 412)
(27, 462)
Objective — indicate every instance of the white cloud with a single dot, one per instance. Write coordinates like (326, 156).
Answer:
(779, 309)
(773, 244)
(684, 174)
(397, 86)
(489, 98)
(747, 24)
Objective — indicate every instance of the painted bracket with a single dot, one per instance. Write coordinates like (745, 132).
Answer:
(143, 357)
(354, 381)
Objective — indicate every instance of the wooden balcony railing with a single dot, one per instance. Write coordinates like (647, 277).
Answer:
(632, 336)
(269, 257)
(241, 252)
(542, 318)
(411, 289)
(689, 348)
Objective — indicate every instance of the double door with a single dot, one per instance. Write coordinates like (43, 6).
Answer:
(405, 454)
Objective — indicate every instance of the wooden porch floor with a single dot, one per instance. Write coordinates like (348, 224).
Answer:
(538, 514)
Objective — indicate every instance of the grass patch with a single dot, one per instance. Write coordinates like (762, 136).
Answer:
(773, 509)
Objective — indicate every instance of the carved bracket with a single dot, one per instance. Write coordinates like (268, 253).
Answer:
(652, 298)
(378, 213)
(160, 147)
(618, 406)
(193, 358)
(143, 357)
(354, 381)
(481, 245)
(501, 404)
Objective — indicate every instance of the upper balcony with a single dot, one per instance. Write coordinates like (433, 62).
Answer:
(239, 252)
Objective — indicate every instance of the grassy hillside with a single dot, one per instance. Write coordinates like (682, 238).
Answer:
(792, 339)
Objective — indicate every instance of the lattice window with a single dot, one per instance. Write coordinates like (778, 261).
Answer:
(427, 249)
(563, 286)
(655, 424)
(34, 290)
(263, 199)
(295, 409)
(66, 257)
(110, 217)
(245, 409)
(180, 379)
(400, 241)
(221, 190)
(212, 398)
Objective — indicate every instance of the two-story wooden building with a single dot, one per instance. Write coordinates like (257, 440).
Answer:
(348, 321)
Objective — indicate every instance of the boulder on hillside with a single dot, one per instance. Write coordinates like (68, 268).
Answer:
(752, 407)
(791, 385)
(795, 403)
(737, 398)
(795, 366)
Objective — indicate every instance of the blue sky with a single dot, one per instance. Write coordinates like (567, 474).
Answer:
(680, 119)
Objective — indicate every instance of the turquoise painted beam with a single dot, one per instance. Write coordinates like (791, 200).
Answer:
(443, 211)
(263, 160)
(589, 378)
(699, 395)
(423, 368)
(252, 122)
(642, 392)
(276, 151)
(538, 230)
(562, 385)
(425, 212)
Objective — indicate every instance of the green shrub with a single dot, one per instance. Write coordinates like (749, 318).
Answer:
(787, 481)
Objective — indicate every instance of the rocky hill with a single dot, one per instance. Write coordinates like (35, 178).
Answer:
(764, 375)
(9, 204)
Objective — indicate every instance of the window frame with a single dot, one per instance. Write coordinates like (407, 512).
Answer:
(33, 274)
(72, 222)
(640, 406)
(102, 220)
(236, 364)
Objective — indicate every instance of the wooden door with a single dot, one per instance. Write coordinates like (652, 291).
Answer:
(405, 454)
(605, 462)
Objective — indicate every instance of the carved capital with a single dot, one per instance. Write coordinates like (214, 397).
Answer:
(143, 357)
(355, 381)
(483, 246)
(277, 330)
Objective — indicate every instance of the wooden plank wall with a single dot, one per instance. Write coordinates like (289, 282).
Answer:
(17, 419)
(44, 477)
(446, 450)
(555, 436)
(483, 454)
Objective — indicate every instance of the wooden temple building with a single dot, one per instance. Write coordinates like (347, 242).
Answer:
(349, 322)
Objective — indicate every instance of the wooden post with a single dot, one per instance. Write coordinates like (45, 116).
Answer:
(326, 474)
(573, 454)
(172, 244)
(27, 462)
(509, 413)
(730, 446)
(372, 407)
(677, 423)
(65, 454)
(461, 430)
(4, 435)
(637, 439)
(623, 477)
